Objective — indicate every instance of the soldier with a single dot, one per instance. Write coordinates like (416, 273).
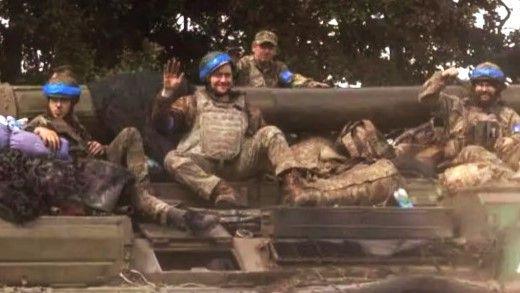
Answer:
(261, 70)
(226, 139)
(479, 128)
(62, 92)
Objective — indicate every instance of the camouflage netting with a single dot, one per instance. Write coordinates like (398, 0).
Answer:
(32, 186)
(125, 100)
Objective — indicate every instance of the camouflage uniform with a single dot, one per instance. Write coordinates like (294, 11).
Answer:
(125, 150)
(254, 74)
(474, 134)
(267, 74)
(226, 138)
(345, 179)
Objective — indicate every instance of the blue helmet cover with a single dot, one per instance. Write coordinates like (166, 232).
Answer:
(216, 62)
(62, 90)
(286, 77)
(487, 72)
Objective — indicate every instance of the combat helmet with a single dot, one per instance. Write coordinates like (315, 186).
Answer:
(211, 61)
(62, 84)
(489, 71)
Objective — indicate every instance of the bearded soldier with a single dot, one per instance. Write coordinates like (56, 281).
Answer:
(62, 93)
(261, 70)
(227, 139)
(481, 131)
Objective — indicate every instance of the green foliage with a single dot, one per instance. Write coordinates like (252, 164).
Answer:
(101, 37)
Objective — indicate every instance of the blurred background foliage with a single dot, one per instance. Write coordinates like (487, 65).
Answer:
(377, 42)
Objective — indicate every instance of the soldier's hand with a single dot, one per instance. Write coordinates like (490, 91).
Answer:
(172, 76)
(49, 137)
(95, 148)
(452, 72)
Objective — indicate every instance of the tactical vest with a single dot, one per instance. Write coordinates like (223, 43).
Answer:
(484, 129)
(219, 128)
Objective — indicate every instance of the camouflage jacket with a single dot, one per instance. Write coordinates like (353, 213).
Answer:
(252, 74)
(72, 130)
(178, 115)
(461, 115)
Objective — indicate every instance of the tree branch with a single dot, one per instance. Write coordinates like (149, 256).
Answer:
(508, 10)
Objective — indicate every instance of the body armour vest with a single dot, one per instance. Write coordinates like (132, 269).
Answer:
(219, 128)
(485, 128)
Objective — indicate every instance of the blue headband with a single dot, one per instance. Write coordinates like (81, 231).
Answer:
(286, 77)
(61, 89)
(217, 61)
(487, 72)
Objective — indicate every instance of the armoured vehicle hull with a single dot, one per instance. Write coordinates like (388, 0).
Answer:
(466, 243)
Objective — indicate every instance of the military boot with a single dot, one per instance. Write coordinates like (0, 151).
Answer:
(225, 196)
(294, 193)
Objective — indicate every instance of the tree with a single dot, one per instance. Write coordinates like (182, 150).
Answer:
(378, 42)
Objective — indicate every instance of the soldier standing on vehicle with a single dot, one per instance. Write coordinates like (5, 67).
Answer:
(62, 93)
(480, 127)
(226, 139)
(261, 70)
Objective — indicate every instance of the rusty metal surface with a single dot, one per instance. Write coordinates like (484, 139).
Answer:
(362, 223)
(8, 105)
(64, 250)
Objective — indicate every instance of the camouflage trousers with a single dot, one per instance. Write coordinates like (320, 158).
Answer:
(266, 150)
(475, 166)
(338, 180)
(127, 150)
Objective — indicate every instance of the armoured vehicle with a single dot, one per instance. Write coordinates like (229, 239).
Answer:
(465, 243)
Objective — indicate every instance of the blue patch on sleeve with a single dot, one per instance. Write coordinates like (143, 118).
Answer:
(286, 77)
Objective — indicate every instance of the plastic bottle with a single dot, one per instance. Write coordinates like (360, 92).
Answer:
(402, 198)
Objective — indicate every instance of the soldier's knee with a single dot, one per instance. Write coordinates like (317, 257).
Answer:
(268, 132)
(475, 153)
(131, 132)
(473, 150)
(173, 160)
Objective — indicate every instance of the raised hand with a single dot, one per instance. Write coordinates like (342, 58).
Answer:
(172, 75)
(451, 72)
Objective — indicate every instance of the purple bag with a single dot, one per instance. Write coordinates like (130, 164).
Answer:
(4, 136)
(32, 145)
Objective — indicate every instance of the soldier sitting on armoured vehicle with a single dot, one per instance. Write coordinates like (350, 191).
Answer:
(62, 93)
(261, 70)
(481, 132)
(226, 138)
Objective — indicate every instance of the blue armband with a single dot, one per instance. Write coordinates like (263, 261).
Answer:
(286, 77)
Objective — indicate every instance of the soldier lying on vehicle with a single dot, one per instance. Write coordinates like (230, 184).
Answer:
(62, 93)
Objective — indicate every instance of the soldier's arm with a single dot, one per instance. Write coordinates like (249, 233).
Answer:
(432, 90)
(161, 115)
(177, 115)
(242, 72)
(296, 80)
(38, 121)
(174, 86)
(256, 119)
